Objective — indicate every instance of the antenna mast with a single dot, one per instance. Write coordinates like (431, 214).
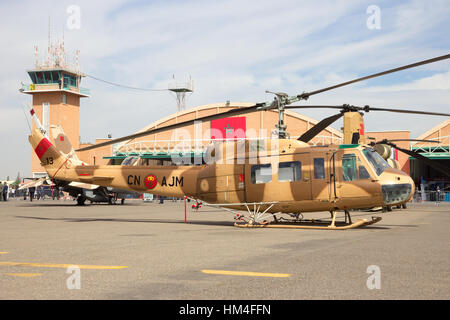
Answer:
(180, 89)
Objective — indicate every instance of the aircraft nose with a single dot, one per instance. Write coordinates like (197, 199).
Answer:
(397, 193)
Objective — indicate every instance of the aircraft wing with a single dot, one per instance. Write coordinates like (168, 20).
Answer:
(83, 185)
(33, 183)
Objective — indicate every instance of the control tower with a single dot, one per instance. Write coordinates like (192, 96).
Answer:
(180, 89)
(56, 93)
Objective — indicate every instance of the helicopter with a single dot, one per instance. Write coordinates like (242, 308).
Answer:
(270, 178)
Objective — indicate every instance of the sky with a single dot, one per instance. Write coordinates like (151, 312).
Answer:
(233, 50)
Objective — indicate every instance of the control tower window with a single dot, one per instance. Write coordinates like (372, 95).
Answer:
(55, 76)
(70, 80)
(44, 77)
(39, 77)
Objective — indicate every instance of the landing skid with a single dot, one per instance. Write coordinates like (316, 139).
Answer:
(311, 224)
(257, 218)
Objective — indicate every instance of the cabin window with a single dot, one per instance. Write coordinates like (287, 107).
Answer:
(261, 173)
(349, 167)
(289, 171)
(319, 168)
(64, 99)
(363, 173)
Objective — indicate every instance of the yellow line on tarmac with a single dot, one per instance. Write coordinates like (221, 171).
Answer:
(24, 275)
(53, 265)
(4, 252)
(249, 274)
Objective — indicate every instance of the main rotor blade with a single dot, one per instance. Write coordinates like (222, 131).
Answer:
(314, 131)
(410, 111)
(314, 107)
(369, 108)
(229, 113)
(415, 140)
(307, 94)
(440, 167)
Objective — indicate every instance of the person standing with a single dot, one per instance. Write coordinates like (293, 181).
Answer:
(38, 193)
(32, 190)
(438, 195)
(5, 191)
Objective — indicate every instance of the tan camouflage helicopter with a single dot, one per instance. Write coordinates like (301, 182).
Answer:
(276, 177)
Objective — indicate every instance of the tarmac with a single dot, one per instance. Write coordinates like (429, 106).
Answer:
(57, 250)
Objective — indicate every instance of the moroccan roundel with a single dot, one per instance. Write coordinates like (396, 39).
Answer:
(150, 181)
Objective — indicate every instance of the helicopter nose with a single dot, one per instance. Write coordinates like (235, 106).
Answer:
(397, 193)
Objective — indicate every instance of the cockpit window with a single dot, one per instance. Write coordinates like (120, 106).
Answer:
(363, 173)
(377, 161)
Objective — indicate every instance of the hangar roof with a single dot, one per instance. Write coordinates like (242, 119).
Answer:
(226, 106)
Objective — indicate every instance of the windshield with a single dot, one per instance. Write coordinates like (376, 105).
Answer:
(377, 161)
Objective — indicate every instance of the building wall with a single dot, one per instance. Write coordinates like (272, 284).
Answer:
(441, 132)
(95, 156)
(66, 115)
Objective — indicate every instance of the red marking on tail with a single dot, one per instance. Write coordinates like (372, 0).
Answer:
(32, 112)
(42, 147)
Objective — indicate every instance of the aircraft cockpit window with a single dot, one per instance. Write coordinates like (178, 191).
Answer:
(377, 161)
(130, 161)
(363, 173)
(319, 168)
(349, 167)
(261, 173)
(289, 171)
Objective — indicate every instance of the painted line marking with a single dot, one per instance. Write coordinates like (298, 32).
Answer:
(246, 273)
(24, 275)
(65, 266)
(4, 252)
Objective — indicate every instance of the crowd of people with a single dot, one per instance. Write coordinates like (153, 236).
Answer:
(32, 193)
